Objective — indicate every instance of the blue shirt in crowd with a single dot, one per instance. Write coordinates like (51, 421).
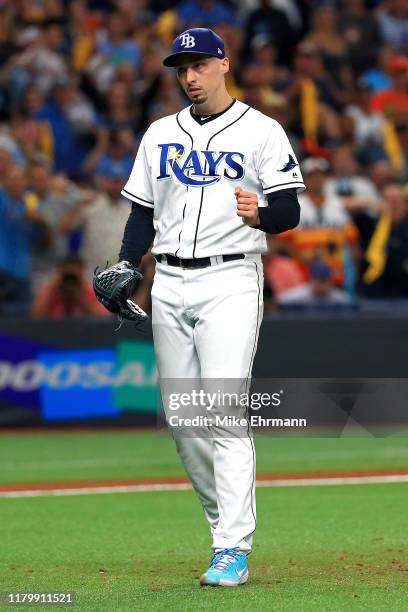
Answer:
(191, 11)
(70, 149)
(115, 168)
(15, 237)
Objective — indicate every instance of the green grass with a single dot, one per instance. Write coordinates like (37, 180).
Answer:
(331, 548)
(41, 458)
(317, 548)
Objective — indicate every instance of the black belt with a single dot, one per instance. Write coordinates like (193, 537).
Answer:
(197, 262)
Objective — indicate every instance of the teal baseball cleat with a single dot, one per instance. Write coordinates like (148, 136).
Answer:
(228, 567)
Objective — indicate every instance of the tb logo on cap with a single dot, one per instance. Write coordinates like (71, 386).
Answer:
(187, 41)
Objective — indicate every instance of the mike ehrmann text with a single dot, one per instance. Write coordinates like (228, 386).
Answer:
(255, 420)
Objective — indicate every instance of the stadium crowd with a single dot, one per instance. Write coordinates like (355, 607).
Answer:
(81, 80)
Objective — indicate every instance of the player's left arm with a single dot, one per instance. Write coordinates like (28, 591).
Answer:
(281, 214)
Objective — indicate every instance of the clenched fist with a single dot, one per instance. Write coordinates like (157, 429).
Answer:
(247, 206)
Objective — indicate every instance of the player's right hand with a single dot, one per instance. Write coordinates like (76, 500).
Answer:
(247, 206)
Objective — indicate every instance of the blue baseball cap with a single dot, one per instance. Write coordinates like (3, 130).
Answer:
(200, 41)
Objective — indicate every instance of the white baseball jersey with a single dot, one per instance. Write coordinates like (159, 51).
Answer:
(188, 173)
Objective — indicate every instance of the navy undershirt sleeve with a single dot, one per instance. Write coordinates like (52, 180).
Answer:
(138, 235)
(282, 212)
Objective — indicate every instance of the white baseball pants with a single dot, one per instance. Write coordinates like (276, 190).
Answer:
(205, 326)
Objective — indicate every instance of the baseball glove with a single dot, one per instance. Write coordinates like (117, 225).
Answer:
(114, 288)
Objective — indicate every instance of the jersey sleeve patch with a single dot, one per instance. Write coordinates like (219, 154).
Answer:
(277, 166)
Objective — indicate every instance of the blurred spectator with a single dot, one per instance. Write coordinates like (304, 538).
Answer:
(7, 49)
(281, 271)
(30, 138)
(325, 232)
(204, 13)
(346, 180)
(384, 239)
(146, 88)
(122, 112)
(258, 81)
(381, 173)
(264, 53)
(20, 224)
(378, 75)
(101, 219)
(33, 11)
(361, 34)
(5, 161)
(393, 104)
(116, 158)
(367, 125)
(292, 10)
(54, 195)
(326, 37)
(67, 294)
(116, 54)
(82, 29)
(33, 99)
(168, 99)
(319, 293)
(393, 22)
(273, 23)
(315, 99)
(117, 46)
(394, 100)
(233, 35)
(40, 60)
(73, 126)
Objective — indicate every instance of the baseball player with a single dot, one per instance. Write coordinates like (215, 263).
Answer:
(206, 185)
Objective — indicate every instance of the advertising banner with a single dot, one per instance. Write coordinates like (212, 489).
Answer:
(41, 383)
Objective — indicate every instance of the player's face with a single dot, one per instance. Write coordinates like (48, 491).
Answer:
(202, 77)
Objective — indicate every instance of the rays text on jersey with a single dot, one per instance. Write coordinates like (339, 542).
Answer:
(199, 168)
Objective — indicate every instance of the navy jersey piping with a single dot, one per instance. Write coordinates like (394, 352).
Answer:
(185, 203)
(205, 169)
(136, 196)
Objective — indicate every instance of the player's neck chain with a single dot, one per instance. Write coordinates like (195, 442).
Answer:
(201, 119)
